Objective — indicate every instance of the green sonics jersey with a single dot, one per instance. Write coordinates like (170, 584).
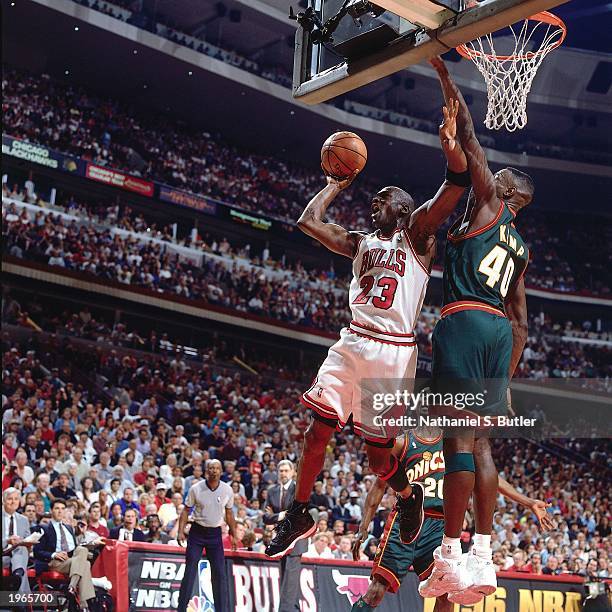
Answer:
(484, 265)
(424, 463)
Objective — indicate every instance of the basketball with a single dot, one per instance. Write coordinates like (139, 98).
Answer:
(343, 153)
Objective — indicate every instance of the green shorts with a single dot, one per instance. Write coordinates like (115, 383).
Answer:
(393, 559)
(471, 354)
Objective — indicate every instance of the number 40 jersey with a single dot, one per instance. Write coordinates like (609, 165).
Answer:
(388, 287)
(485, 264)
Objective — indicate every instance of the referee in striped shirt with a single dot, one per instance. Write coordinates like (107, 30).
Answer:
(211, 501)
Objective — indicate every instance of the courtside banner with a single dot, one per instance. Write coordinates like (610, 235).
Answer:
(187, 199)
(41, 155)
(119, 179)
(155, 573)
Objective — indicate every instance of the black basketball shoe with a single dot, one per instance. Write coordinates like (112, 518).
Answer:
(410, 513)
(297, 525)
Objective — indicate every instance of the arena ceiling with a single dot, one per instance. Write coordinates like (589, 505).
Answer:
(589, 21)
(42, 39)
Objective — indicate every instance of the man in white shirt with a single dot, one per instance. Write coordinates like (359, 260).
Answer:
(353, 506)
(169, 512)
(129, 532)
(319, 549)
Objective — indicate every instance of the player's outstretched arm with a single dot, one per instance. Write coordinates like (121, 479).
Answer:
(426, 220)
(537, 506)
(331, 235)
(483, 182)
(516, 310)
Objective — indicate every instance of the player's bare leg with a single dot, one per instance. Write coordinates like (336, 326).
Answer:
(479, 563)
(485, 487)
(450, 574)
(374, 595)
(297, 524)
(459, 482)
(410, 498)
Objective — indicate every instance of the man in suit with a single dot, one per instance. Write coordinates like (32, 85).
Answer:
(129, 532)
(15, 527)
(57, 550)
(280, 498)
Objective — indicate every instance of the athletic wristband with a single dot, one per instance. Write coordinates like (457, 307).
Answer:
(461, 179)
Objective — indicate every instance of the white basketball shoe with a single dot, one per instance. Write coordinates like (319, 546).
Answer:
(483, 579)
(448, 576)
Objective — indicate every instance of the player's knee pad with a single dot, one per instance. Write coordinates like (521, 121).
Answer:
(396, 476)
(460, 462)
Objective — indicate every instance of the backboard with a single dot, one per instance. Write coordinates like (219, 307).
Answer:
(341, 45)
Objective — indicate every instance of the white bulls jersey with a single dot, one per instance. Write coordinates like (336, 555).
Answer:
(388, 286)
(377, 353)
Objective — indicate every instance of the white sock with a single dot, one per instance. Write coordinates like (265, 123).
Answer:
(451, 548)
(482, 546)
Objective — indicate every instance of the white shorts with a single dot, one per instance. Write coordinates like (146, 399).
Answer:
(361, 364)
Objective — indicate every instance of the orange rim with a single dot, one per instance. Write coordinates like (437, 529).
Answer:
(544, 17)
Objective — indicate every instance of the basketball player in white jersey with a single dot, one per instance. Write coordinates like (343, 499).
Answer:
(391, 267)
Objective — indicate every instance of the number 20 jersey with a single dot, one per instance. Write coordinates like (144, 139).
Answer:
(388, 286)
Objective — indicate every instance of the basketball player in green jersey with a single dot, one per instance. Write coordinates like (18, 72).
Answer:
(477, 345)
(420, 454)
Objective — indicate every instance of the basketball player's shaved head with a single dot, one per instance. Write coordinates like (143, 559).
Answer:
(515, 187)
(391, 207)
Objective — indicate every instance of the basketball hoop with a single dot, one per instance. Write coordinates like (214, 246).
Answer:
(509, 77)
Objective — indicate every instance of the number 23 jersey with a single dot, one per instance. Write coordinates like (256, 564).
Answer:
(388, 286)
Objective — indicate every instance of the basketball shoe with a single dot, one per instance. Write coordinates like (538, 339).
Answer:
(410, 513)
(297, 525)
(448, 576)
(484, 581)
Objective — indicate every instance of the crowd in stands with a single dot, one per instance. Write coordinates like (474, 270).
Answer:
(565, 251)
(281, 72)
(313, 299)
(131, 261)
(145, 446)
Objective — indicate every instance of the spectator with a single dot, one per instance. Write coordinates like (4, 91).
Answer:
(344, 550)
(552, 566)
(96, 521)
(62, 490)
(154, 533)
(319, 547)
(127, 502)
(129, 532)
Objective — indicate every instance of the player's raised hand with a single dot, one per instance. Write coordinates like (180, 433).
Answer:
(343, 183)
(545, 521)
(511, 411)
(448, 128)
(359, 540)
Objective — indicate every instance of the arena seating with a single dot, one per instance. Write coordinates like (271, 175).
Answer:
(281, 73)
(177, 417)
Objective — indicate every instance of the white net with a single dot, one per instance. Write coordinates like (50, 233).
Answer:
(509, 77)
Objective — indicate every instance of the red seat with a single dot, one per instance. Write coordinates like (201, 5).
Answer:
(50, 576)
(53, 576)
(7, 572)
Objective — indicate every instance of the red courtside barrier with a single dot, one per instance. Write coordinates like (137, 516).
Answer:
(147, 577)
